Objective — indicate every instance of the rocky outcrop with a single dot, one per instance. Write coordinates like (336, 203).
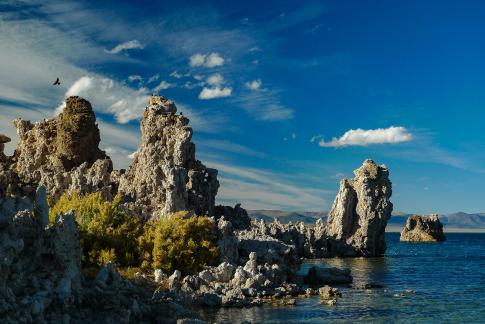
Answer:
(39, 265)
(165, 177)
(236, 215)
(62, 153)
(229, 285)
(3, 140)
(268, 248)
(357, 222)
(423, 229)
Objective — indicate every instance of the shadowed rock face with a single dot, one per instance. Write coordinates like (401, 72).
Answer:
(77, 137)
(165, 177)
(358, 219)
(423, 229)
(3, 139)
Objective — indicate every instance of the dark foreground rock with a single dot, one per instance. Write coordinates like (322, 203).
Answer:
(423, 229)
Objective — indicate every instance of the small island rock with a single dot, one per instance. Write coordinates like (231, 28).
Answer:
(423, 229)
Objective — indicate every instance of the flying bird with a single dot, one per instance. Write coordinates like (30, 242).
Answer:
(57, 82)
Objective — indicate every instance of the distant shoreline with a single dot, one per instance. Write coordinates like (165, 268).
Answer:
(398, 229)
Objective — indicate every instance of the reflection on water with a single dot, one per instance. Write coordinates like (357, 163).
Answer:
(364, 271)
(448, 277)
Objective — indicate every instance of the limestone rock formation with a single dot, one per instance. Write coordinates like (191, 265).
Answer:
(165, 177)
(269, 249)
(227, 285)
(40, 266)
(3, 140)
(423, 229)
(357, 222)
(236, 215)
(62, 153)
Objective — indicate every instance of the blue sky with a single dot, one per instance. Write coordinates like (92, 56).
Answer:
(285, 98)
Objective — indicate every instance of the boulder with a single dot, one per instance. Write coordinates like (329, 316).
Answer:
(159, 276)
(423, 229)
(357, 222)
(329, 292)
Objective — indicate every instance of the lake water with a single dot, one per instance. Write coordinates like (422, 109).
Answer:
(448, 277)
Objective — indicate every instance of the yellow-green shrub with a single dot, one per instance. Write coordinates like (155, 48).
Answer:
(107, 233)
(182, 242)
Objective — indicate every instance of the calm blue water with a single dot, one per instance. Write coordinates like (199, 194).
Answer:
(448, 277)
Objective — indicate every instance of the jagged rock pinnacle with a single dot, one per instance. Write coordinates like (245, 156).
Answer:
(165, 176)
(360, 212)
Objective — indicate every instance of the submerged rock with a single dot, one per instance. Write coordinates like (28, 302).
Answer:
(320, 276)
(423, 229)
(357, 222)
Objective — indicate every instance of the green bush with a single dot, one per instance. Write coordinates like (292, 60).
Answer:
(182, 242)
(107, 233)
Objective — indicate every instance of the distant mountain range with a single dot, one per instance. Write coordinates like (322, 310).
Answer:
(458, 220)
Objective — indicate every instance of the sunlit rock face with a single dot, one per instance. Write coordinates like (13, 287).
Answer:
(62, 153)
(165, 176)
(423, 229)
(357, 222)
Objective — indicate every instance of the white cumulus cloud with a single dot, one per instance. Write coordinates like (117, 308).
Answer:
(254, 85)
(215, 79)
(216, 92)
(133, 44)
(109, 96)
(362, 137)
(207, 60)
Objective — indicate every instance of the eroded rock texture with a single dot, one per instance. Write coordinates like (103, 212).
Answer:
(357, 222)
(423, 229)
(165, 177)
(3, 139)
(62, 153)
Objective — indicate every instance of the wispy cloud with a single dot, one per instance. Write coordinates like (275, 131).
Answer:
(133, 44)
(163, 86)
(362, 137)
(315, 138)
(207, 60)
(135, 77)
(260, 189)
(153, 78)
(228, 146)
(263, 105)
(175, 74)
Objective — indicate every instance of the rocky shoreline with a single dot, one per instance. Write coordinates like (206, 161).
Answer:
(41, 279)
